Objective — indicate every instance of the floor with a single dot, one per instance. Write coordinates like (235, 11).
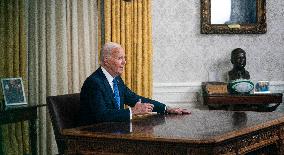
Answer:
(280, 108)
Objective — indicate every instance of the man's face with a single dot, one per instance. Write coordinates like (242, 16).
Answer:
(239, 60)
(115, 62)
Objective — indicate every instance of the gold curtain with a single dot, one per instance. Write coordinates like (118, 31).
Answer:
(13, 60)
(130, 24)
(62, 53)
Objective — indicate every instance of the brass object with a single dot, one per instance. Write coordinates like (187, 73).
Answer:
(216, 88)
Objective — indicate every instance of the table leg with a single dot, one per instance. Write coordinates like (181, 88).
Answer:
(281, 148)
(281, 141)
(33, 136)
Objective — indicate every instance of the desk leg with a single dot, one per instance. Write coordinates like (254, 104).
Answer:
(33, 136)
(281, 147)
(281, 141)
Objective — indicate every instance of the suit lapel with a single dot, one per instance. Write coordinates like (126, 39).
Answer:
(109, 91)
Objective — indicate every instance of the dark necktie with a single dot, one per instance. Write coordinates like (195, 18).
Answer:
(116, 94)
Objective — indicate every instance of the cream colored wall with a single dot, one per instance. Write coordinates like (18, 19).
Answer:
(184, 57)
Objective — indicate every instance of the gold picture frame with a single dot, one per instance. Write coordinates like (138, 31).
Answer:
(256, 26)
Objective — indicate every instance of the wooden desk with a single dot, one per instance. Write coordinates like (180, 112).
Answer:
(23, 113)
(201, 133)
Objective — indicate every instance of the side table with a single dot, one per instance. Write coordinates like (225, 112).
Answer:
(216, 96)
(23, 113)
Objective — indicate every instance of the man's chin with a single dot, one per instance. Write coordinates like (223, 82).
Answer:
(119, 73)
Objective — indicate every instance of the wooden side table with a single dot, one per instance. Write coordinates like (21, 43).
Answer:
(219, 97)
(23, 113)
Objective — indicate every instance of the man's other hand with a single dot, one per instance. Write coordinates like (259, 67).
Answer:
(142, 108)
(177, 111)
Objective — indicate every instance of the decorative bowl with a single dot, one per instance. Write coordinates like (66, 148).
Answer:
(240, 86)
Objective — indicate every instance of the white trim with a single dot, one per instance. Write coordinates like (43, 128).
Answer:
(190, 92)
(277, 83)
(276, 86)
(177, 84)
(176, 93)
(176, 87)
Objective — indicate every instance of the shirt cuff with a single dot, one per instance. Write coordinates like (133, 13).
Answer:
(130, 112)
(165, 109)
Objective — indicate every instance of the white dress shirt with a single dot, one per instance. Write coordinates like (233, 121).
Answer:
(110, 79)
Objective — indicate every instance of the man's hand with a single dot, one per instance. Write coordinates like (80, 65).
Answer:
(177, 111)
(142, 108)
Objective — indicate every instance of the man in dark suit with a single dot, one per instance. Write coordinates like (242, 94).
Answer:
(104, 93)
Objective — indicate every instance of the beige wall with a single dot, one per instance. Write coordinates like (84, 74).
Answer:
(183, 56)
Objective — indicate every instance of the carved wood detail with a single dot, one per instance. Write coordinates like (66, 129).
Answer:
(228, 148)
(280, 144)
(258, 140)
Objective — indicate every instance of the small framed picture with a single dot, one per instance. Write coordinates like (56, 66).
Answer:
(262, 87)
(13, 91)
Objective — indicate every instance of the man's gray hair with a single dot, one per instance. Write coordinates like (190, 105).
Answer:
(107, 49)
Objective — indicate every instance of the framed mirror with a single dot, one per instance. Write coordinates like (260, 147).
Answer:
(233, 16)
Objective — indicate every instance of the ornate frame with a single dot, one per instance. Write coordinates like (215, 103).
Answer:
(207, 28)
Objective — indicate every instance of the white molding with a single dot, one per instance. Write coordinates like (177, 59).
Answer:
(176, 87)
(278, 83)
(190, 92)
(277, 86)
(176, 93)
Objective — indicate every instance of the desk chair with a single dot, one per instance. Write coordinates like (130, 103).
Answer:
(63, 110)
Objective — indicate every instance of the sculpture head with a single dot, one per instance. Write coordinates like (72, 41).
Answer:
(238, 58)
(239, 82)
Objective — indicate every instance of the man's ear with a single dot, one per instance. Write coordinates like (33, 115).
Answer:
(106, 60)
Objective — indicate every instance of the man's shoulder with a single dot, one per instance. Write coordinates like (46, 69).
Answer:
(95, 77)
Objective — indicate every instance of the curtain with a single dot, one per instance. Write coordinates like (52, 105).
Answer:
(62, 45)
(14, 137)
(130, 24)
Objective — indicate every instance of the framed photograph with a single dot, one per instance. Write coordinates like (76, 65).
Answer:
(262, 87)
(13, 91)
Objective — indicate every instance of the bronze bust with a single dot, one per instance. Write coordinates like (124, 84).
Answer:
(238, 59)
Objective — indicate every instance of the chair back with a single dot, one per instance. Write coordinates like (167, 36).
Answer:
(63, 110)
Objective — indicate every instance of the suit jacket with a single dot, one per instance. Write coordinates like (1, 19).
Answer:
(98, 104)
